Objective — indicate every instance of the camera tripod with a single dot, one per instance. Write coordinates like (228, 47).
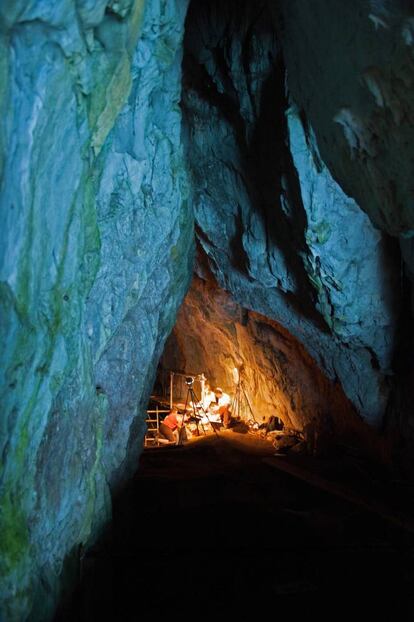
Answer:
(241, 402)
(192, 398)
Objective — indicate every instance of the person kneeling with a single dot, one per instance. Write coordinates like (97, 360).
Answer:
(172, 427)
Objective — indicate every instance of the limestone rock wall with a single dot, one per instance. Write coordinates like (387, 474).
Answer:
(295, 158)
(350, 70)
(96, 253)
(350, 67)
(281, 235)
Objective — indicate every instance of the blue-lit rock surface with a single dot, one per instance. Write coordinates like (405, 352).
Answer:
(96, 243)
(287, 132)
(350, 68)
(280, 233)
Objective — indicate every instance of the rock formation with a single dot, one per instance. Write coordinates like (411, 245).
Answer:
(280, 233)
(96, 242)
(274, 134)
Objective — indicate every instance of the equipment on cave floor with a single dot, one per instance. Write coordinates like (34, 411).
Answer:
(199, 412)
(174, 390)
(273, 424)
(241, 405)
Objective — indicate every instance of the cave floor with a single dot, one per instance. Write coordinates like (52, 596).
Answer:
(216, 527)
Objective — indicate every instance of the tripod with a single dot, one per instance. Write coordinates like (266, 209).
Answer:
(192, 398)
(241, 402)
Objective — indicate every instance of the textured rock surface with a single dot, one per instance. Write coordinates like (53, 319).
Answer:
(359, 99)
(213, 334)
(280, 233)
(96, 233)
(350, 69)
(96, 243)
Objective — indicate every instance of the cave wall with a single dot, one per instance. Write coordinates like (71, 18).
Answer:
(360, 103)
(96, 255)
(213, 334)
(295, 156)
(360, 99)
(280, 233)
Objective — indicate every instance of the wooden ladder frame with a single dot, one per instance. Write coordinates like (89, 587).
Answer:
(151, 438)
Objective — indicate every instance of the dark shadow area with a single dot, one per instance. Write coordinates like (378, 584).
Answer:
(240, 427)
(398, 423)
(211, 529)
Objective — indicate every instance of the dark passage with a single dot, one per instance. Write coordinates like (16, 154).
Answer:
(212, 529)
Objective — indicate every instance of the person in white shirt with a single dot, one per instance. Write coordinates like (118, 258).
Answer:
(222, 406)
(210, 416)
(208, 398)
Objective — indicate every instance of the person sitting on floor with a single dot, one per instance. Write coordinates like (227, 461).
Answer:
(222, 406)
(171, 427)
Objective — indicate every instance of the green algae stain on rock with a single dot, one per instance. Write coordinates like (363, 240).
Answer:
(14, 541)
(90, 513)
(15, 559)
(4, 79)
(322, 232)
(112, 72)
(164, 53)
(92, 240)
(115, 94)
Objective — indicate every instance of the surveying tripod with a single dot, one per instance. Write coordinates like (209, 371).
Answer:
(191, 398)
(241, 402)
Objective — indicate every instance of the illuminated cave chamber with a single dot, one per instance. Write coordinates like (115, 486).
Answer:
(213, 335)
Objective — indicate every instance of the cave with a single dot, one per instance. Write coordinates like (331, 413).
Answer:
(198, 188)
